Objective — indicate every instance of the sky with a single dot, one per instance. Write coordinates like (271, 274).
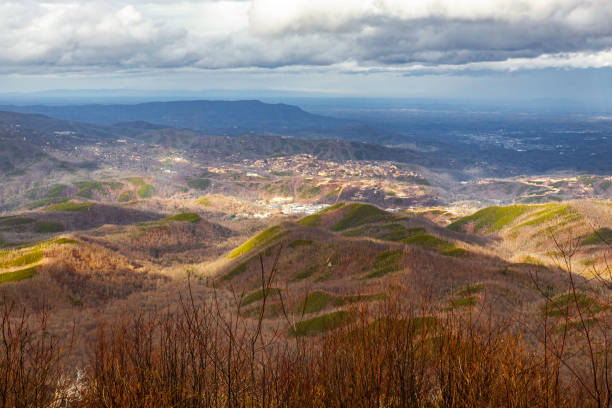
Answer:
(400, 48)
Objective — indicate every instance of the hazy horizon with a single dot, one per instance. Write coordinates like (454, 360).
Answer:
(494, 51)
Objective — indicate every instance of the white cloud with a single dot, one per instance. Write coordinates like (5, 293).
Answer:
(79, 35)
(357, 35)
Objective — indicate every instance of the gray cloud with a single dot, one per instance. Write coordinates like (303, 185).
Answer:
(345, 35)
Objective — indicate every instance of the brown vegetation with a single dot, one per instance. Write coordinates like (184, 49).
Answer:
(403, 351)
(303, 323)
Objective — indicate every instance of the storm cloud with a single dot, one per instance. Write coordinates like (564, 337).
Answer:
(344, 35)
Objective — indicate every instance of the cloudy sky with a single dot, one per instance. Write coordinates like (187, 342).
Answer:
(386, 47)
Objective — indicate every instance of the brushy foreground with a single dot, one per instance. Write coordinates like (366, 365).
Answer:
(402, 351)
(388, 356)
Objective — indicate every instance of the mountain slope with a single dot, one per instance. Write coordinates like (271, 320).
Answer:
(543, 232)
(358, 253)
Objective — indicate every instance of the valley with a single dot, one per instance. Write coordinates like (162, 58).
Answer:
(289, 239)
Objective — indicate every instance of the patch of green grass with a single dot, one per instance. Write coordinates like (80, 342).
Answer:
(306, 273)
(41, 244)
(114, 185)
(364, 231)
(23, 260)
(468, 301)
(588, 262)
(317, 301)
(87, 188)
(551, 212)
(55, 191)
(470, 290)
(300, 242)
(310, 192)
(70, 206)
(399, 233)
(13, 222)
(145, 191)
(313, 220)
(432, 243)
(576, 325)
(428, 242)
(561, 304)
(360, 214)
(273, 310)
(58, 241)
(239, 269)
(491, 219)
(531, 260)
(19, 275)
(258, 295)
(602, 236)
(36, 246)
(45, 227)
(38, 203)
(46, 201)
(135, 181)
(388, 232)
(386, 262)
(183, 217)
(321, 324)
(126, 196)
(205, 201)
(257, 241)
(455, 251)
(198, 183)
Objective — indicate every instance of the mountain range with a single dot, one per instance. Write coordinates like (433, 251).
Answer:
(214, 117)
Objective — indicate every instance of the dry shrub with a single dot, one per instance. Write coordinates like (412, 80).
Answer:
(96, 274)
(388, 357)
(395, 354)
(30, 369)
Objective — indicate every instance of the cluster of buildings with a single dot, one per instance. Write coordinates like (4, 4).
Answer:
(309, 165)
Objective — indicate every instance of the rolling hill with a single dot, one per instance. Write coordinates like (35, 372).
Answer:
(352, 270)
(544, 232)
(357, 253)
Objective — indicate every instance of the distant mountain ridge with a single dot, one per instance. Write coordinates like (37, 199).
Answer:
(216, 117)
